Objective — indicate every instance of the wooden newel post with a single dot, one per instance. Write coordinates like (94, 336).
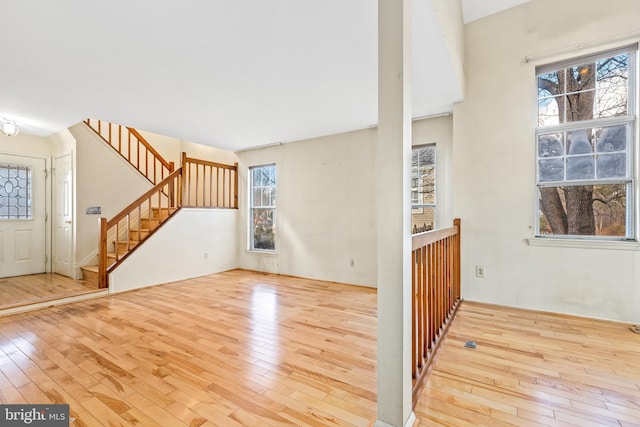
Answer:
(172, 167)
(102, 255)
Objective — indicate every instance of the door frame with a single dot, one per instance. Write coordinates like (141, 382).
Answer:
(47, 223)
(52, 223)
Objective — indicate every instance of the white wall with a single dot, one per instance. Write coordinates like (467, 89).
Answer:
(171, 149)
(25, 145)
(325, 215)
(494, 165)
(325, 208)
(203, 152)
(176, 250)
(168, 147)
(449, 16)
(62, 143)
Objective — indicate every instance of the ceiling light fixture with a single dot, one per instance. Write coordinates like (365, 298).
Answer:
(8, 127)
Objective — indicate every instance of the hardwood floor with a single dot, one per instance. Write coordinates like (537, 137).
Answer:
(533, 369)
(34, 288)
(249, 349)
(236, 348)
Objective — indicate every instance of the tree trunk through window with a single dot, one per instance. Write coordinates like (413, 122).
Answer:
(575, 216)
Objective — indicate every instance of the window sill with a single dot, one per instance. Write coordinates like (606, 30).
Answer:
(622, 245)
(261, 252)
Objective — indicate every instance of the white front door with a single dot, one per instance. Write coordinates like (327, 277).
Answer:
(22, 215)
(62, 212)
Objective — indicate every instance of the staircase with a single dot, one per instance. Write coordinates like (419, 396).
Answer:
(197, 183)
(91, 273)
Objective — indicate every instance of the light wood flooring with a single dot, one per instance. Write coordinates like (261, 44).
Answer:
(231, 349)
(249, 349)
(533, 369)
(34, 288)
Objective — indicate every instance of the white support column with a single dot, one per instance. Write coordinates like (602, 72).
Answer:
(393, 207)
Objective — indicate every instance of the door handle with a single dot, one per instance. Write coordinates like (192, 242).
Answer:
(67, 222)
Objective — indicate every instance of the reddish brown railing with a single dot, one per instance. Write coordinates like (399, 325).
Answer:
(134, 148)
(209, 184)
(198, 183)
(436, 293)
(135, 223)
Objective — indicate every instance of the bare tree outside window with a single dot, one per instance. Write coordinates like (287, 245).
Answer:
(262, 207)
(423, 189)
(584, 141)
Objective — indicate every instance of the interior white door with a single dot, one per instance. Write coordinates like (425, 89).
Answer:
(22, 215)
(63, 216)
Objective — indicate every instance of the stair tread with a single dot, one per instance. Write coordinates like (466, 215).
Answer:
(93, 268)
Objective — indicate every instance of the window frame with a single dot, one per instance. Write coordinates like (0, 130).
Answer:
(251, 207)
(435, 184)
(630, 119)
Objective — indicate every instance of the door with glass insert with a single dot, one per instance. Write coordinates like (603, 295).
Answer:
(22, 215)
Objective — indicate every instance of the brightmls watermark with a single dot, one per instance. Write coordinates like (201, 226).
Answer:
(34, 415)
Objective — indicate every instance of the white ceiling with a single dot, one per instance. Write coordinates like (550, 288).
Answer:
(230, 74)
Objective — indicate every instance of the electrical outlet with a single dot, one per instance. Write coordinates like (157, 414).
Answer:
(206, 255)
(480, 271)
(352, 263)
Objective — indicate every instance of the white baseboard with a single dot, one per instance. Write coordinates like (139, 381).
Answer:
(410, 421)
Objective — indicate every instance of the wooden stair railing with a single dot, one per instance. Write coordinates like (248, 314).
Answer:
(134, 148)
(136, 223)
(198, 183)
(435, 282)
(209, 184)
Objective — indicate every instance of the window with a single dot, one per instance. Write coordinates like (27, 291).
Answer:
(262, 207)
(585, 145)
(423, 189)
(15, 192)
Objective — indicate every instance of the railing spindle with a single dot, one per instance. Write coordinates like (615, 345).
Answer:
(235, 185)
(196, 182)
(217, 186)
(204, 186)
(224, 187)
